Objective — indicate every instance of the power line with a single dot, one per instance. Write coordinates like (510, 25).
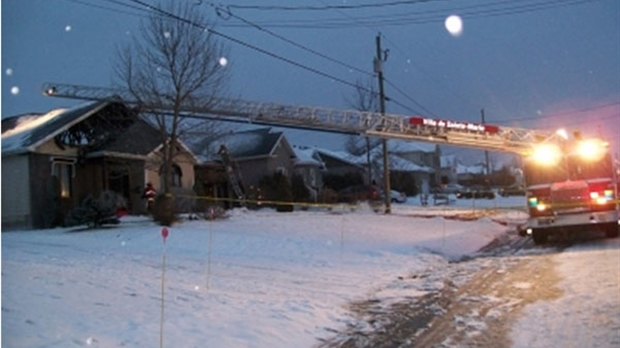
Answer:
(328, 7)
(227, 11)
(245, 44)
(560, 114)
(493, 9)
(220, 10)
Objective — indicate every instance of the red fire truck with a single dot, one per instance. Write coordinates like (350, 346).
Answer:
(572, 186)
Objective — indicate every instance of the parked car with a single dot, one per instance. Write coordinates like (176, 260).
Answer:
(513, 190)
(476, 192)
(398, 197)
(358, 193)
(453, 188)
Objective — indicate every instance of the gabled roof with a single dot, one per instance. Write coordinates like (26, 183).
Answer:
(401, 146)
(307, 156)
(241, 145)
(141, 138)
(119, 131)
(341, 156)
(23, 133)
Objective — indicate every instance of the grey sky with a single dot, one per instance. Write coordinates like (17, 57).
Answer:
(531, 63)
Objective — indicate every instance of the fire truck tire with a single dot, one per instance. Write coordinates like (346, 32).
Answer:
(612, 231)
(539, 237)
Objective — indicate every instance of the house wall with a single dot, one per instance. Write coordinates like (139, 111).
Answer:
(253, 170)
(47, 205)
(184, 160)
(50, 148)
(16, 192)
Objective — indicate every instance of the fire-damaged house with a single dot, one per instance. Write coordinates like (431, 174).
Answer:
(52, 161)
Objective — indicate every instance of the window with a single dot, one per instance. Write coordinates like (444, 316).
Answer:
(63, 171)
(175, 176)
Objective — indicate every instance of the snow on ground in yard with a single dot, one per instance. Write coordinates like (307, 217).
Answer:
(274, 279)
(255, 279)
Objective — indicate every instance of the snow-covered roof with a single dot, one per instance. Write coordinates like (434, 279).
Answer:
(401, 146)
(400, 164)
(23, 133)
(472, 169)
(342, 156)
(306, 156)
(240, 145)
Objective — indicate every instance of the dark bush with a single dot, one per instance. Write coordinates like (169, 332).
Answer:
(328, 196)
(300, 191)
(277, 190)
(96, 212)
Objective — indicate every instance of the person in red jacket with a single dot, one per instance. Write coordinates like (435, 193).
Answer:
(149, 193)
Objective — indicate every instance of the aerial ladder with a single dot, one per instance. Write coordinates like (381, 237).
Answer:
(366, 123)
(232, 173)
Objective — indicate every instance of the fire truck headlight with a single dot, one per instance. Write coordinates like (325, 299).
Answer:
(547, 154)
(592, 149)
(601, 200)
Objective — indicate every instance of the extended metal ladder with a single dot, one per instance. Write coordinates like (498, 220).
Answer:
(231, 171)
(373, 124)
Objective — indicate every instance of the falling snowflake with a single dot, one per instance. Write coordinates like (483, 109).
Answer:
(167, 34)
(9, 72)
(14, 90)
(68, 28)
(223, 61)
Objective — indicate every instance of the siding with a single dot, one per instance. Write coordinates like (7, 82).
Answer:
(16, 192)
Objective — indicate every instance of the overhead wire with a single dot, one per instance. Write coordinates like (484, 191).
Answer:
(492, 9)
(219, 10)
(245, 44)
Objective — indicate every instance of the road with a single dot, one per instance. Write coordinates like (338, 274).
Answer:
(487, 301)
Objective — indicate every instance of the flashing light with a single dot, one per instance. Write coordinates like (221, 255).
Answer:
(592, 149)
(547, 154)
(534, 203)
(563, 133)
(602, 197)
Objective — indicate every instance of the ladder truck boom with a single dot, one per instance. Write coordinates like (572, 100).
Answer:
(372, 124)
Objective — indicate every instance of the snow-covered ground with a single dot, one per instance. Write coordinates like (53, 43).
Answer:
(262, 278)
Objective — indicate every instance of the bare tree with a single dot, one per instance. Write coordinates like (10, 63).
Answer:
(172, 67)
(364, 99)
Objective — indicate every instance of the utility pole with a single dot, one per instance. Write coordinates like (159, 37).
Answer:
(378, 65)
(486, 153)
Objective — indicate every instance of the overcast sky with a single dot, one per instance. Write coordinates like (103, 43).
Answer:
(530, 63)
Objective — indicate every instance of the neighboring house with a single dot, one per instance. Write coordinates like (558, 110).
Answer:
(342, 163)
(423, 154)
(310, 167)
(255, 154)
(467, 174)
(405, 175)
(52, 161)
(448, 171)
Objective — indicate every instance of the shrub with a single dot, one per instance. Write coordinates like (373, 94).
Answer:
(299, 189)
(96, 212)
(277, 188)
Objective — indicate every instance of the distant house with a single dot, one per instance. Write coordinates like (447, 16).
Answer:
(310, 167)
(52, 161)
(255, 154)
(448, 171)
(341, 163)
